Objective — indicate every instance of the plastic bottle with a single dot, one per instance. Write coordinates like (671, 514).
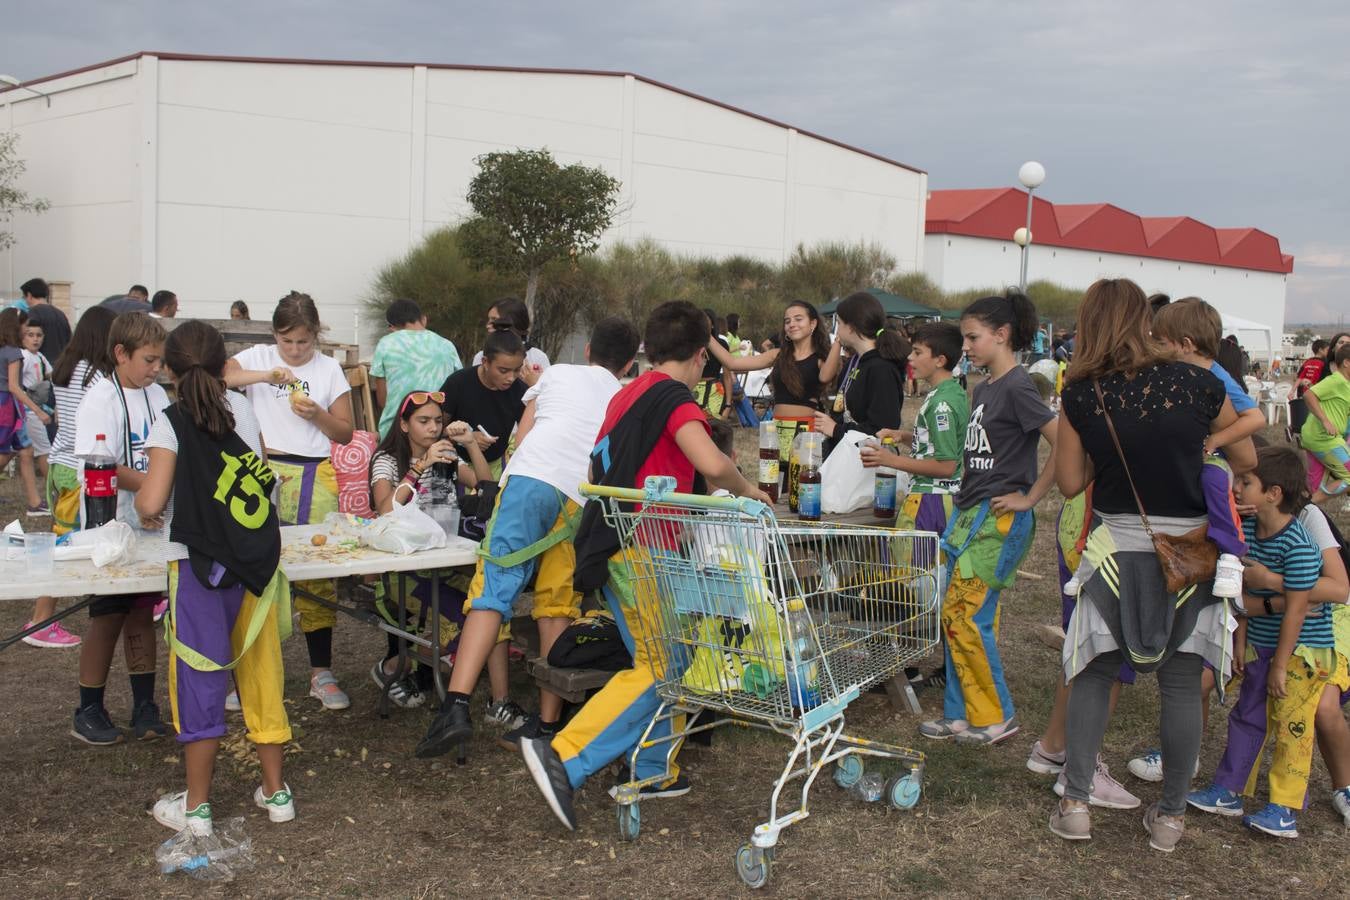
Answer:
(444, 505)
(870, 787)
(808, 478)
(803, 676)
(100, 484)
(219, 856)
(795, 465)
(883, 494)
(768, 459)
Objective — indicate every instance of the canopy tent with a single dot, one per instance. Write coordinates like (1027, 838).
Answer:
(896, 307)
(1245, 330)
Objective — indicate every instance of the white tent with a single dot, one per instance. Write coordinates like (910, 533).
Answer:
(1247, 330)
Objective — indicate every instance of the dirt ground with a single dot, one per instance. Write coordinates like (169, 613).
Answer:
(375, 822)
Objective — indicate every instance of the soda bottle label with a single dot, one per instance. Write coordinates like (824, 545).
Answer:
(768, 471)
(100, 482)
(883, 494)
(808, 500)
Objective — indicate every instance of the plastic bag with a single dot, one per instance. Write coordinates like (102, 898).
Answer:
(219, 856)
(405, 529)
(113, 543)
(844, 484)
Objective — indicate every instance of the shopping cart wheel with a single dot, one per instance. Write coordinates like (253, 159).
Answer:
(847, 771)
(902, 792)
(752, 864)
(630, 821)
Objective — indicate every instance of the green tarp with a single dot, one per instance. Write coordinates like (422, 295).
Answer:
(897, 307)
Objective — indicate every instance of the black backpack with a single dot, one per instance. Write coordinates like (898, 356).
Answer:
(591, 642)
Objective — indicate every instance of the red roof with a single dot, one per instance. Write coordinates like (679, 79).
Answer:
(998, 212)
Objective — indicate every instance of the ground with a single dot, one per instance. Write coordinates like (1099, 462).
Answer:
(374, 821)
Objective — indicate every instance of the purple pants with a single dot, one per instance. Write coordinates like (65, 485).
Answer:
(205, 619)
(1216, 486)
(1247, 725)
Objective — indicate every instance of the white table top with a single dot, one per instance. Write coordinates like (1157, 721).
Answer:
(300, 560)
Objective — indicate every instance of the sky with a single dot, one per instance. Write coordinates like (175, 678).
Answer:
(1234, 113)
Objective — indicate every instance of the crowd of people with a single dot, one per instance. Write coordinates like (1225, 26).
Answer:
(1150, 442)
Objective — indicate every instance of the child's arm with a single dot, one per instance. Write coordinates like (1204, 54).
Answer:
(152, 495)
(1240, 646)
(236, 376)
(834, 361)
(1333, 586)
(1248, 423)
(899, 435)
(1018, 502)
(526, 423)
(698, 447)
(1241, 453)
(932, 468)
(1295, 610)
(16, 388)
(477, 468)
(335, 422)
(741, 363)
(1317, 412)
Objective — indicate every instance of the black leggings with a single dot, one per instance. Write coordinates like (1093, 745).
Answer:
(1178, 725)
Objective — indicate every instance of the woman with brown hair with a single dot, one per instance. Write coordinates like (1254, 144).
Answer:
(1122, 387)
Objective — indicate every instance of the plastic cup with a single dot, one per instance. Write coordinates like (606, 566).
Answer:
(40, 552)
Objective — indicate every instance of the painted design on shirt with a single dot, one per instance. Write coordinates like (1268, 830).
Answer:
(977, 442)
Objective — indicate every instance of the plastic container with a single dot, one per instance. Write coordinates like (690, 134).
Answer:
(870, 787)
(803, 663)
(810, 452)
(40, 553)
(883, 493)
(769, 459)
(215, 857)
(100, 484)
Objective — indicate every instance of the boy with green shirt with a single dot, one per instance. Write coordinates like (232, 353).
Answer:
(1324, 432)
(407, 359)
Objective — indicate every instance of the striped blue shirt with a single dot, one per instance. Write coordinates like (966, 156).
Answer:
(1291, 553)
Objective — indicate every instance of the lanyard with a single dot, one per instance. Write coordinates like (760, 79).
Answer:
(126, 417)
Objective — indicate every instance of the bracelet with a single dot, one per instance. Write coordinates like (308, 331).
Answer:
(1270, 610)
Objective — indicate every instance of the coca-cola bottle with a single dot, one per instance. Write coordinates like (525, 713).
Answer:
(100, 484)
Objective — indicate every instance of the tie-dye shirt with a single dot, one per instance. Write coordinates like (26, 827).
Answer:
(411, 360)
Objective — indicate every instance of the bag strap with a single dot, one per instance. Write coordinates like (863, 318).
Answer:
(1111, 427)
(524, 554)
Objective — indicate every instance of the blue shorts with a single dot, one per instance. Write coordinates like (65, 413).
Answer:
(527, 511)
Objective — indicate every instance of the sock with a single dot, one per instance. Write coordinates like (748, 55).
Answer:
(91, 696)
(456, 697)
(320, 644)
(142, 688)
(548, 729)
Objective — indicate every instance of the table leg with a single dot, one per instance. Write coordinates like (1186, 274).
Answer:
(38, 626)
(901, 694)
(436, 636)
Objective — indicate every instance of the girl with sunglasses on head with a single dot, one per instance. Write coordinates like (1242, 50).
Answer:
(415, 464)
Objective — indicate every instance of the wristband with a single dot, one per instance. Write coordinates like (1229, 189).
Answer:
(1270, 610)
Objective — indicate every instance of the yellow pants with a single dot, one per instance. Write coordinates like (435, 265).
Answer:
(1290, 721)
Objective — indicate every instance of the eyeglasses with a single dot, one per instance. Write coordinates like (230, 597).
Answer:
(417, 398)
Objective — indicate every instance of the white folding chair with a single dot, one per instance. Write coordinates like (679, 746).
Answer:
(1278, 401)
(1253, 386)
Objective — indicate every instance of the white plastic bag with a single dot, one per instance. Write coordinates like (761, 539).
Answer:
(405, 529)
(844, 484)
(112, 543)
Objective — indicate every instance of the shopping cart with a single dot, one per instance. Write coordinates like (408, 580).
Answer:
(774, 625)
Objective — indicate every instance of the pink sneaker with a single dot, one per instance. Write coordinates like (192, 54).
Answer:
(51, 636)
(161, 608)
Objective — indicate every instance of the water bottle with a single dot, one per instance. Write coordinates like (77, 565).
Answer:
(883, 493)
(444, 505)
(870, 786)
(810, 455)
(100, 484)
(768, 459)
(803, 675)
(219, 856)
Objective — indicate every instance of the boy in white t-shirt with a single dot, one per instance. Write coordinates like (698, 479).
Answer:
(532, 526)
(36, 369)
(122, 409)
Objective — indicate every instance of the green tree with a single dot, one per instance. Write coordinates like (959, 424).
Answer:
(12, 198)
(1303, 337)
(530, 212)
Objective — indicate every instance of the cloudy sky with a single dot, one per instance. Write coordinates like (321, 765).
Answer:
(1232, 112)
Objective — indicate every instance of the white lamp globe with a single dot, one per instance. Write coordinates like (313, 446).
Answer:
(1021, 237)
(1031, 174)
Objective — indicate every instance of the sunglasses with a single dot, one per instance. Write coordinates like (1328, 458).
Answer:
(417, 398)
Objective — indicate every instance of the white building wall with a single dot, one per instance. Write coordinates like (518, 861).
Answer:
(958, 263)
(244, 180)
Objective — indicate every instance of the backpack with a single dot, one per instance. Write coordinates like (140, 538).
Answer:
(591, 642)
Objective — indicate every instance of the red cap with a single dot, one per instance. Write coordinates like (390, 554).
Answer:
(100, 437)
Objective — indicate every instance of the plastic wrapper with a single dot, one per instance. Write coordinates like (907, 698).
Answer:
(215, 857)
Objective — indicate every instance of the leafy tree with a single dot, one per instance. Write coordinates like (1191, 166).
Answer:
(12, 198)
(530, 212)
(1303, 337)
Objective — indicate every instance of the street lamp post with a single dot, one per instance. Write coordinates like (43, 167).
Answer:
(1032, 174)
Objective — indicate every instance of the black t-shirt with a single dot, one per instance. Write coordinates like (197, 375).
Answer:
(1162, 416)
(874, 393)
(712, 368)
(55, 329)
(809, 371)
(467, 399)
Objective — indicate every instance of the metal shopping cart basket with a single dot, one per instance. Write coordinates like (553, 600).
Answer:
(769, 624)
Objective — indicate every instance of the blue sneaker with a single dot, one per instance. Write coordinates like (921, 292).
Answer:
(1215, 799)
(1275, 820)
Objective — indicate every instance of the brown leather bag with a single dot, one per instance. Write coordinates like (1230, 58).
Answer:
(1186, 559)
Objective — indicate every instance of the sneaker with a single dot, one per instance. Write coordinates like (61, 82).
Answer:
(505, 714)
(676, 787)
(452, 725)
(280, 806)
(39, 511)
(232, 702)
(324, 688)
(160, 609)
(1149, 766)
(53, 636)
(942, 729)
(990, 734)
(1071, 820)
(1043, 763)
(146, 724)
(1227, 577)
(546, 768)
(171, 811)
(1163, 830)
(1106, 791)
(527, 729)
(1340, 800)
(936, 679)
(1217, 800)
(1073, 587)
(1275, 820)
(94, 726)
(403, 693)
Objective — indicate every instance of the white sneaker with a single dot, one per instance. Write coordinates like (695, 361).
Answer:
(1341, 801)
(232, 702)
(1228, 577)
(1073, 587)
(324, 688)
(1149, 767)
(280, 806)
(171, 811)
(1106, 791)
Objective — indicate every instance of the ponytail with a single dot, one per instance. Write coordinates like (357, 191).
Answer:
(893, 345)
(1013, 309)
(195, 353)
(864, 313)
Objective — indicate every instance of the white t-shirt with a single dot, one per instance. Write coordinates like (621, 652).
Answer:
(285, 432)
(533, 357)
(163, 436)
(108, 409)
(1314, 521)
(35, 369)
(569, 408)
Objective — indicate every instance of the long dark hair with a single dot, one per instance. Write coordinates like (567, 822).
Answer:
(512, 313)
(1330, 367)
(195, 353)
(12, 321)
(88, 343)
(396, 443)
(785, 366)
(864, 314)
(1013, 309)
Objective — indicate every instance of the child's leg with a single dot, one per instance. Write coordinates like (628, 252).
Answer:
(316, 623)
(1207, 683)
(1333, 735)
(498, 671)
(1225, 529)
(1241, 759)
(1336, 478)
(138, 646)
(976, 690)
(556, 606)
(260, 676)
(199, 763)
(27, 476)
(1292, 719)
(106, 617)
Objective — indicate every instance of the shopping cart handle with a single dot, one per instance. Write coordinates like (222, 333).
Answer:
(661, 489)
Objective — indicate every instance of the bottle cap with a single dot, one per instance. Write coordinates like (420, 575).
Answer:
(100, 437)
(796, 604)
